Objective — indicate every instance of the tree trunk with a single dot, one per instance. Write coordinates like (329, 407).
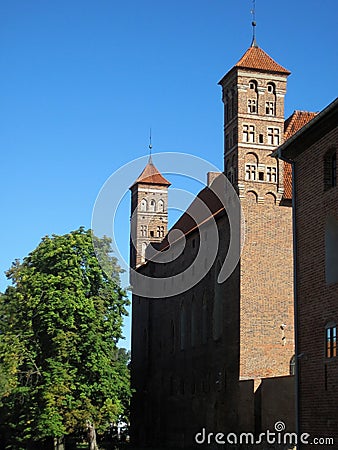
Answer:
(91, 436)
(59, 444)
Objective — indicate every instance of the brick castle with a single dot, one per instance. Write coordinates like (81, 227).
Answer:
(221, 356)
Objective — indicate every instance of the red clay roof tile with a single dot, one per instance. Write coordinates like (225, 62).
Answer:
(151, 175)
(256, 58)
(294, 123)
(287, 181)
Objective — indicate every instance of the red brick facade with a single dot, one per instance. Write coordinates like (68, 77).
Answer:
(254, 90)
(313, 150)
(217, 355)
(149, 212)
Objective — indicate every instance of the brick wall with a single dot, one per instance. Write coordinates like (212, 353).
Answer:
(317, 301)
(190, 350)
(266, 277)
(266, 291)
(156, 222)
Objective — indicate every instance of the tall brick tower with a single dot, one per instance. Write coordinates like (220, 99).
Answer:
(149, 212)
(253, 97)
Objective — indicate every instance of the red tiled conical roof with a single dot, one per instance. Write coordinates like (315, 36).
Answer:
(256, 58)
(151, 175)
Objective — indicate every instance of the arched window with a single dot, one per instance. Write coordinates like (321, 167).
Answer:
(143, 204)
(253, 97)
(160, 206)
(331, 340)
(253, 85)
(251, 160)
(270, 103)
(152, 206)
(271, 88)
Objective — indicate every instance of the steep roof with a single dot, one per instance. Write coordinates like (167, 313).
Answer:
(151, 175)
(308, 135)
(195, 216)
(257, 59)
(292, 124)
(296, 121)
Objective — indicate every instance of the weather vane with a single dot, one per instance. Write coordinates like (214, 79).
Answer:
(253, 23)
(150, 145)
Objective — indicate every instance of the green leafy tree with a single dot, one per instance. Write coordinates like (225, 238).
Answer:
(123, 367)
(60, 323)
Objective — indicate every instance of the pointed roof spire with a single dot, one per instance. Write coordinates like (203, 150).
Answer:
(254, 24)
(151, 175)
(257, 59)
(150, 161)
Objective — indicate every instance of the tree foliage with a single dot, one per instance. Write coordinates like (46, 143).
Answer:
(60, 323)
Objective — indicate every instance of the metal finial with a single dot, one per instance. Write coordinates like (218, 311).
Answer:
(253, 23)
(150, 147)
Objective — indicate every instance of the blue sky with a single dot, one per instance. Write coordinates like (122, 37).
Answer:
(82, 82)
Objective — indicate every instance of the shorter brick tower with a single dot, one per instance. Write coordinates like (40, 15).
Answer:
(149, 212)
